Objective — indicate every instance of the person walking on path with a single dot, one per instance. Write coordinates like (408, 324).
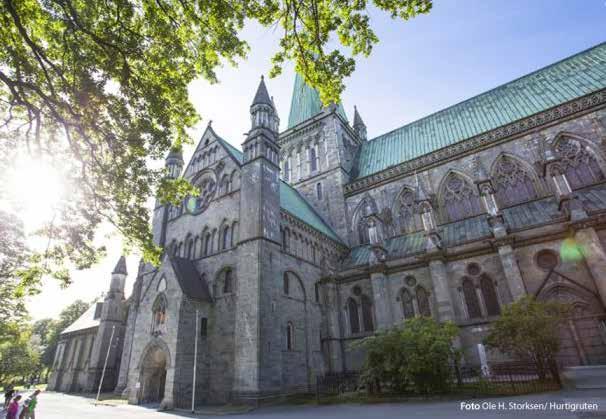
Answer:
(8, 395)
(13, 407)
(29, 406)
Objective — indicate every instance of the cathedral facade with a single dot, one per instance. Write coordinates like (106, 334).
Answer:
(312, 238)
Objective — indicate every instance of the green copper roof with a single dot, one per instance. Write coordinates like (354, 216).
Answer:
(291, 200)
(306, 103)
(558, 83)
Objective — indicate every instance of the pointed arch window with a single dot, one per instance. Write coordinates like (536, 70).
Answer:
(319, 192)
(460, 199)
(512, 183)
(490, 296)
(363, 235)
(313, 159)
(367, 314)
(408, 308)
(423, 302)
(580, 165)
(286, 284)
(290, 336)
(407, 217)
(225, 239)
(207, 244)
(354, 319)
(227, 281)
(471, 299)
(159, 314)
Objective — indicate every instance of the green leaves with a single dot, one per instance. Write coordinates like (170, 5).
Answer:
(102, 87)
(414, 356)
(528, 329)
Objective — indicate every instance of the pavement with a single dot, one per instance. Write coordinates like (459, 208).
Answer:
(547, 405)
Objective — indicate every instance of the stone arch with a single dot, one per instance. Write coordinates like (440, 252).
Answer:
(458, 197)
(353, 315)
(423, 304)
(235, 180)
(406, 298)
(293, 286)
(225, 281)
(470, 298)
(581, 161)
(404, 210)
(153, 367)
(488, 288)
(366, 207)
(514, 180)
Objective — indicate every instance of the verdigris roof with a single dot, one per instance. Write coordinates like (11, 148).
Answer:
(291, 200)
(305, 103)
(85, 321)
(573, 77)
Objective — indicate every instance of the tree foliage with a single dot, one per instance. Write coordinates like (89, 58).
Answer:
(102, 85)
(528, 330)
(414, 356)
(19, 359)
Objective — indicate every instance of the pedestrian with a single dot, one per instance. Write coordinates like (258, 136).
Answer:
(29, 406)
(13, 408)
(8, 395)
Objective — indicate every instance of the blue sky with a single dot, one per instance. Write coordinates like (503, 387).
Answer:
(462, 48)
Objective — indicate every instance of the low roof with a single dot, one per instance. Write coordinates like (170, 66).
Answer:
(192, 283)
(85, 321)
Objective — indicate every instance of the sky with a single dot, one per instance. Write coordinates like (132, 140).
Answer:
(459, 50)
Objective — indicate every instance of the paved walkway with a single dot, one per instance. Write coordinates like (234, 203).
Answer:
(548, 405)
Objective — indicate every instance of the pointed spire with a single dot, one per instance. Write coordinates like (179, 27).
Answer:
(357, 118)
(262, 97)
(120, 266)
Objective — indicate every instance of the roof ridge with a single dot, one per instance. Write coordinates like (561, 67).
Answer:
(527, 75)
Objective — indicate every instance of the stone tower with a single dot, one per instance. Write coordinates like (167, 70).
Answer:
(257, 248)
(174, 166)
(111, 322)
(317, 153)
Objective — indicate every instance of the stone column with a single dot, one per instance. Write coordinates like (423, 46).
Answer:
(333, 304)
(439, 279)
(168, 401)
(512, 272)
(381, 299)
(595, 257)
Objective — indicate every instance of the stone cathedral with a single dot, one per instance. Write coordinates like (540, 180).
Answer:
(311, 238)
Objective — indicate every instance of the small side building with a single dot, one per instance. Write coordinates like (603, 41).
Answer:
(83, 346)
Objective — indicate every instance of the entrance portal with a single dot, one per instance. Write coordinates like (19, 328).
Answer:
(153, 376)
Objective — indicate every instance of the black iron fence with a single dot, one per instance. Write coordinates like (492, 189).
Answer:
(509, 378)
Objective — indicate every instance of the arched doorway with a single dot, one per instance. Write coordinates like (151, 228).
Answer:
(153, 375)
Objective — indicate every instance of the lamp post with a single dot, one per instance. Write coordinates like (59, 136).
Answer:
(193, 390)
(109, 348)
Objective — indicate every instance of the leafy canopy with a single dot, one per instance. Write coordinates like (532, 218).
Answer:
(102, 85)
(413, 356)
(528, 330)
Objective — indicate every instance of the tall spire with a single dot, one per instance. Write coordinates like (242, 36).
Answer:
(262, 97)
(120, 266)
(306, 103)
(358, 125)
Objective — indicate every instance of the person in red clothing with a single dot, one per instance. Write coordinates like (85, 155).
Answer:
(13, 407)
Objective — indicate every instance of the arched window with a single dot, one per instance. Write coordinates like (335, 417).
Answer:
(213, 240)
(408, 219)
(159, 314)
(317, 291)
(225, 241)
(190, 248)
(471, 299)
(354, 319)
(287, 169)
(203, 327)
(363, 235)
(460, 199)
(408, 308)
(367, 314)
(319, 191)
(227, 281)
(490, 296)
(235, 180)
(290, 336)
(512, 183)
(286, 239)
(423, 302)
(313, 159)
(286, 283)
(580, 165)
(207, 244)
(224, 188)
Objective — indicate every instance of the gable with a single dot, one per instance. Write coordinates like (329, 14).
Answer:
(571, 78)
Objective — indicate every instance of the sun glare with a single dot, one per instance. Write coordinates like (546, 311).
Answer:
(33, 189)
